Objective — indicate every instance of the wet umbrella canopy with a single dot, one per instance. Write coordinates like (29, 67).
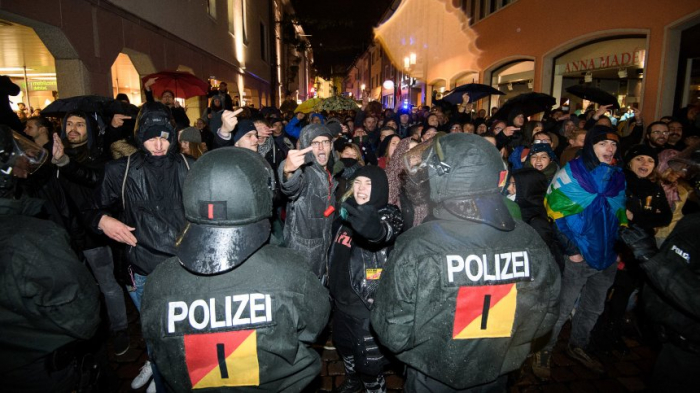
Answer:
(528, 103)
(594, 94)
(476, 92)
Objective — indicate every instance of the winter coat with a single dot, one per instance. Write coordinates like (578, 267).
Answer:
(310, 191)
(48, 298)
(259, 322)
(671, 300)
(429, 311)
(79, 180)
(647, 202)
(152, 204)
(293, 128)
(367, 258)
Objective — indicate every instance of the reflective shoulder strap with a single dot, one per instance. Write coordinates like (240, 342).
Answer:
(126, 173)
(187, 164)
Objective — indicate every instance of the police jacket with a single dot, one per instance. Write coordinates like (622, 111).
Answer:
(151, 203)
(249, 329)
(366, 258)
(673, 298)
(461, 301)
(47, 297)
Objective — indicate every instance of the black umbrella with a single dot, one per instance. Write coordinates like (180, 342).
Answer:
(88, 104)
(594, 94)
(476, 92)
(528, 103)
(120, 107)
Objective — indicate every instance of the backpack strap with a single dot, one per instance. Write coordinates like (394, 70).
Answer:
(126, 172)
(187, 164)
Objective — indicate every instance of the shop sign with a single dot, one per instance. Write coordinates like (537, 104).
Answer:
(622, 59)
(42, 85)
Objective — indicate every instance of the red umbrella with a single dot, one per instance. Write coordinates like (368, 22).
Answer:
(183, 84)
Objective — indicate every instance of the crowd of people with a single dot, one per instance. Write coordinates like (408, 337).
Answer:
(458, 243)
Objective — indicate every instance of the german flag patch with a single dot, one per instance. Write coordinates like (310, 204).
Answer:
(485, 311)
(222, 359)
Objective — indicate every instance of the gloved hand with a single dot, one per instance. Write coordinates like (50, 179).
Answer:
(642, 243)
(365, 221)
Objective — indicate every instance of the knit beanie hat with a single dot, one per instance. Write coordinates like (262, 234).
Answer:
(379, 196)
(243, 127)
(641, 150)
(191, 134)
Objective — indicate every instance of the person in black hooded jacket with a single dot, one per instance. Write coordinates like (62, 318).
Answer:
(367, 228)
(528, 187)
(147, 186)
(511, 136)
(78, 155)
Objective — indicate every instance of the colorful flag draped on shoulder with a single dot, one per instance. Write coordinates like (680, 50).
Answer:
(588, 208)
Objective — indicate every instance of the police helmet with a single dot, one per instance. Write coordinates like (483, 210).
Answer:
(227, 197)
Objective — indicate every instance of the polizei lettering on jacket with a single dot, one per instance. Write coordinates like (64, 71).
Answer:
(211, 314)
(479, 269)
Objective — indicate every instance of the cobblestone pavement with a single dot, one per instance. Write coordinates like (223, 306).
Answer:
(624, 373)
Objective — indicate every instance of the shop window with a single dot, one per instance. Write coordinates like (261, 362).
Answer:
(614, 65)
(211, 8)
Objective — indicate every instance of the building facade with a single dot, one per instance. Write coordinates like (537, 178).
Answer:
(77, 47)
(641, 51)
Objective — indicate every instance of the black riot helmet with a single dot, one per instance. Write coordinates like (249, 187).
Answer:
(465, 173)
(228, 201)
(17, 152)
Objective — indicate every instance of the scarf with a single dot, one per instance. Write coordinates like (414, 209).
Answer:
(589, 207)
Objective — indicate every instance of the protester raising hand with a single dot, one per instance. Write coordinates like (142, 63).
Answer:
(295, 159)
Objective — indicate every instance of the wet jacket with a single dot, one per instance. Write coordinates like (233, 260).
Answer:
(80, 172)
(647, 202)
(47, 297)
(250, 327)
(673, 298)
(310, 191)
(430, 313)
(367, 258)
(152, 204)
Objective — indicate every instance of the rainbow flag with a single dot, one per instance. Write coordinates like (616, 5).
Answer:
(588, 208)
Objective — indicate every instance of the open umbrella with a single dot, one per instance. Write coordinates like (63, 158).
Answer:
(336, 103)
(182, 84)
(528, 103)
(308, 105)
(120, 107)
(594, 94)
(476, 92)
(88, 104)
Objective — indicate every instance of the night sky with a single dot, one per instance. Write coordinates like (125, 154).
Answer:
(340, 29)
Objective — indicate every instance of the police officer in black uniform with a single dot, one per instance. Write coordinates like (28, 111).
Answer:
(48, 299)
(672, 297)
(230, 311)
(463, 296)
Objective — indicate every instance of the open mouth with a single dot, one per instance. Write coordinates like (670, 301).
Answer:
(607, 158)
(539, 167)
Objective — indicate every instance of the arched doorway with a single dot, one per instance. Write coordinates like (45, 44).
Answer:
(125, 79)
(512, 78)
(29, 64)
